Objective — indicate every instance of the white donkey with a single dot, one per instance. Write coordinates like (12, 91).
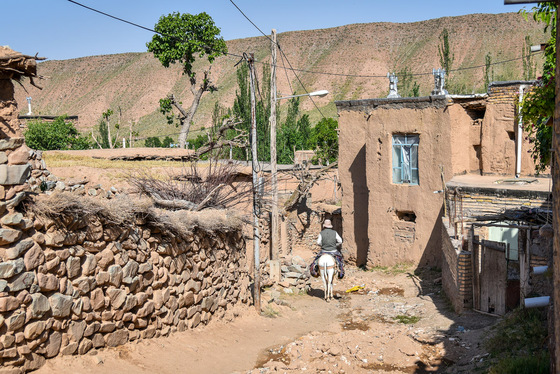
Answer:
(327, 269)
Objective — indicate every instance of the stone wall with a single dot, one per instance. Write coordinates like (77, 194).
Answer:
(82, 282)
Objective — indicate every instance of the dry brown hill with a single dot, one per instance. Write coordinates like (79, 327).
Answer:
(134, 82)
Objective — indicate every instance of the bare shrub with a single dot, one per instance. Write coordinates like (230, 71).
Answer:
(123, 210)
(199, 186)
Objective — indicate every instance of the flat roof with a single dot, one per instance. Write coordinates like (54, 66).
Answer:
(502, 185)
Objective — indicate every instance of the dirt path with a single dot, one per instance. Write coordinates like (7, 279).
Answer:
(357, 333)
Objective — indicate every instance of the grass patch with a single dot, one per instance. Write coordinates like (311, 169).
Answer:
(519, 343)
(407, 320)
(395, 269)
(524, 331)
(270, 312)
(538, 364)
(59, 159)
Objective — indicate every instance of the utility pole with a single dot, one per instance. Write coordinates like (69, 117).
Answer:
(256, 237)
(274, 255)
(555, 166)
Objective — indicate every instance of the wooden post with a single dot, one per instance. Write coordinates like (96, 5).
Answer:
(256, 237)
(274, 255)
(555, 166)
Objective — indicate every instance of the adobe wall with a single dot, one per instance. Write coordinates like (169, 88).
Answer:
(465, 140)
(394, 240)
(82, 282)
(499, 132)
(355, 191)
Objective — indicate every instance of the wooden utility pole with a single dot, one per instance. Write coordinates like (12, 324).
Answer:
(274, 255)
(256, 237)
(555, 165)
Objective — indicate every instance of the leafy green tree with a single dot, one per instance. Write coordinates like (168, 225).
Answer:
(167, 141)
(408, 86)
(106, 140)
(293, 134)
(529, 66)
(488, 72)
(324, 139)
(242, 111)
(538, 104)
(59, 134)
(446, 56)
(181, 38)
(152, 142)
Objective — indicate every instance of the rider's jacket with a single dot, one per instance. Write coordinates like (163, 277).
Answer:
(328, 240)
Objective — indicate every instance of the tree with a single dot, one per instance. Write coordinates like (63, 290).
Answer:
(446, 57)
(181, 38)
(408, 86)
(167, 141)
(529, 66)
(106, 140)
(488, 72)
(152, 142)
(538, 104)
(324, 139)
(242, 111)
(59, 134)
(293, 134)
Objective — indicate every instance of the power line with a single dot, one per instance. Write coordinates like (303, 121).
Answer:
(385, 76)
(283, 54)
(117, 18)
(291, 67)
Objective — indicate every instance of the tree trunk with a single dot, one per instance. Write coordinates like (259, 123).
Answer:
(187, 117)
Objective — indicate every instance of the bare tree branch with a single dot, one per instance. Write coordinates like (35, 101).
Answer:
(306, 182)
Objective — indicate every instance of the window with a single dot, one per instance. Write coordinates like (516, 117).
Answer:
(405, 159)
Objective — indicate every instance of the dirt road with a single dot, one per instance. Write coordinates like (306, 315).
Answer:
(398, 323)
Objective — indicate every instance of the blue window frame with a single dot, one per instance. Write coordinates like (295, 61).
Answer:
(405, 159)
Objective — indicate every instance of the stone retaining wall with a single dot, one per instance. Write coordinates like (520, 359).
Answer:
(74, 284)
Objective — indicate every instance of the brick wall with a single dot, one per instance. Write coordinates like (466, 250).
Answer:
(456, 271)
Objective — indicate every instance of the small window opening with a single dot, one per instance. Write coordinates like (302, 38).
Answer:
(406, 216)
(511, 135)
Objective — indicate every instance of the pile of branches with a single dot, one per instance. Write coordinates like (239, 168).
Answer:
(532, 216)
(15, 65)
(306, 181)
(66, 209)
(205, 185)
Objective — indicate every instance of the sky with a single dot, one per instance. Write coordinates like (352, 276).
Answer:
(59, 29)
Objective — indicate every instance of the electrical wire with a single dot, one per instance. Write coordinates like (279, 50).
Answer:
(292, 68)
(282, 53)
(286, 71)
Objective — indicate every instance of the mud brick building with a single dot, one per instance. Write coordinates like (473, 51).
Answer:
(396, 154)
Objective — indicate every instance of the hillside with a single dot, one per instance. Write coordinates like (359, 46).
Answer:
(134, 82)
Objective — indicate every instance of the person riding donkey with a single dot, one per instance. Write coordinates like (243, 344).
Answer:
(328, 240)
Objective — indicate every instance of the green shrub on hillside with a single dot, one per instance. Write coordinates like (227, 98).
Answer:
(59, 134)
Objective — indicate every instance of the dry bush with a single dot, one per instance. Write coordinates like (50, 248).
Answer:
(123, 210)
(119, 210)
(196, 187)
